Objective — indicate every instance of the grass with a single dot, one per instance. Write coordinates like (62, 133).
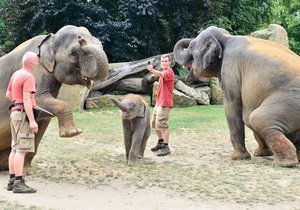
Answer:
(199, 166)
(6, 205)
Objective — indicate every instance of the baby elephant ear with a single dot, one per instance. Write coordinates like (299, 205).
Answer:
(142, 110)
(46, 53)
(212, 51)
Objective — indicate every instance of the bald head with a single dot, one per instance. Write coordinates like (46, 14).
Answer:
(30, 60)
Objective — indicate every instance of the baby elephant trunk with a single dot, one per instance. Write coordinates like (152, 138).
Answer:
(121, 105)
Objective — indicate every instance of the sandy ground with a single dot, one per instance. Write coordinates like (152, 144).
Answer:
(115, 196)
(66, 196)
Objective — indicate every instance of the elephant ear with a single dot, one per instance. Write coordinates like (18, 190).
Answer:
(46, 53)
(212, 51)
(142, 111)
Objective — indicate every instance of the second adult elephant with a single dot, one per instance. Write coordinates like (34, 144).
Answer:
(71, 56)
(261, 84)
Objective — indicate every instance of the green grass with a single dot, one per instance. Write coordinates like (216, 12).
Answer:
(199, 166)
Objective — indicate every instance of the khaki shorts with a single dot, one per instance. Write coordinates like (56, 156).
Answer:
(160, 118)
(22, 138)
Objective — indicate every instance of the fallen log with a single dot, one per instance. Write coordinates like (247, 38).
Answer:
(130, 85)
(126, 70)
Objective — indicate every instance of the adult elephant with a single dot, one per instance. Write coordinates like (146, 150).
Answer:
(261, 84)
(71, 56)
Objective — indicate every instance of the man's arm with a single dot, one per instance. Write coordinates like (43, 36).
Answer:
(28, 109)
(155, 72)
(8, 92)
(8, 95)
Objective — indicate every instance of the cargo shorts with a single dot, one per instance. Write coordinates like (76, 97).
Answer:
(22, 138)
(160, 118)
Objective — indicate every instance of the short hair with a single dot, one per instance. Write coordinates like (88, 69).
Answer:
(28, 56)
(166, 56)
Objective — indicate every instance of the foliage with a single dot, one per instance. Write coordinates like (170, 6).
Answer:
(287, 14)
(239, 17)
(135, 29)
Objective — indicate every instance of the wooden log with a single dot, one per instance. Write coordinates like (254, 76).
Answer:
(130, 85)
(126, 70)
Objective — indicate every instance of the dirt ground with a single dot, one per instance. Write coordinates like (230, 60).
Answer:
(115, 196)
(89, 172)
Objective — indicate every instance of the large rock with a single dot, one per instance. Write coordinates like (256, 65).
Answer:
(182, 100)
(216, 91)
(200, 97)
(275, 33)
(100, 101)
(179, 98)
(70, 94)
(205, 89)
(103, 102)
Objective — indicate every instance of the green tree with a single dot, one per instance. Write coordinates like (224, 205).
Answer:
(130, 29)
(287, 14)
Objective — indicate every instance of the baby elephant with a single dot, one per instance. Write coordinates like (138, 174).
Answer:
(136, 125)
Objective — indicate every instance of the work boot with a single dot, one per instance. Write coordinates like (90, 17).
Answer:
(165, 150)
(21, 187)
(10, 184)
(158, 146)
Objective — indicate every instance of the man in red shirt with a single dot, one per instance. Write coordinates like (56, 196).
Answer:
(164, 102)
(21, 89)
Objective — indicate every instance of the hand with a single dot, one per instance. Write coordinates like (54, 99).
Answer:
(33, 126)
(150, 68)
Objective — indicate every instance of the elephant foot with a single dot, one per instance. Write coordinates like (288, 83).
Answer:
(237, 155)
(131, 162)
(69, 132)
(261, 152)
(286, 162)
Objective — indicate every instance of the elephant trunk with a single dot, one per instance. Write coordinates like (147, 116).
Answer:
(181, 53)
(93, 63)
(121, 105)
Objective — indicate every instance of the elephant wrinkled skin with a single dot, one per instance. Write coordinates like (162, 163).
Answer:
(261, 84)
(136, 125)
(71, 56)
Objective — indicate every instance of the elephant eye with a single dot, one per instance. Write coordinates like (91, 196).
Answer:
(206, 45)
(74, 54)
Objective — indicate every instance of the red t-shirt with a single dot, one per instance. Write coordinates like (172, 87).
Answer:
(20, 82)
(165, 88)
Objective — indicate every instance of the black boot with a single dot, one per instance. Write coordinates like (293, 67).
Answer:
(158, 145)
(10, 184)
(21, 187)
(165, 150)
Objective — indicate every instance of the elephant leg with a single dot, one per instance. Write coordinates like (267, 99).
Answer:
(4, 154)
(237, 132)
(43, 124)
(144, 142)
(64, 115)
(265, 124)
(135, 147)
(127, 136)
(127, 143)
(263, 149)
(285, 151)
